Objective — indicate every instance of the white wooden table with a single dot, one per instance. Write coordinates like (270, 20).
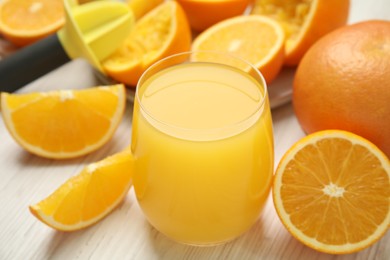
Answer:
(26, 179)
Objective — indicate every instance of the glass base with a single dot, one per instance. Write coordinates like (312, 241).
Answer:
(212, 244)
(207, 244)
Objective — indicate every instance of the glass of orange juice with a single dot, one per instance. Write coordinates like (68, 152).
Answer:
(203, 146)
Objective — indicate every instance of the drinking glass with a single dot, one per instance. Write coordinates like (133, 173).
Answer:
(203, 146)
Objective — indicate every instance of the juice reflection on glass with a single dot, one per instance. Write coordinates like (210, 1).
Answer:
(203, 148)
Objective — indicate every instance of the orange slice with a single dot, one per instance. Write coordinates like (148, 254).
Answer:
(25, 21)
(332, 192)
(257, 39)
(304, 21)
(65, 123)
(161, 32)
(203, 14)
(88, 197)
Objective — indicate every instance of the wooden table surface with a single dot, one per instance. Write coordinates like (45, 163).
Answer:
(125, 234)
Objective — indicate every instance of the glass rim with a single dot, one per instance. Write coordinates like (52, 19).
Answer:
(262, 82)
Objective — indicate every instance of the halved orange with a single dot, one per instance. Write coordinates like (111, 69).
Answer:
(304, 21)
(25, 21)
(256, 39)
(161, 32)
(332, 192)
(88, 197)
(65, 123)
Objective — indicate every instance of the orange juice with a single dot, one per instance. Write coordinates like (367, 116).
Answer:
(203, 148)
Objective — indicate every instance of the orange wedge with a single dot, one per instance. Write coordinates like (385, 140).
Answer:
(304, 21)
(65, 123)
(256, 39)
(89, 196)
(25, 21)
(332, 192)
(161, 32)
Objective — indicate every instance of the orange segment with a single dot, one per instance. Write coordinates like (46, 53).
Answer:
(161, 32)
(304, 21)
(26, 21)
(65, 123)
(255, 38)
(89, 196)
(332, 192)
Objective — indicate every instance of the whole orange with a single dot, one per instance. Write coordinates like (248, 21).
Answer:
(204, 13)
(343, 82)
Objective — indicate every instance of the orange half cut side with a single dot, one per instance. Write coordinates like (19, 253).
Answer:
(332, 192)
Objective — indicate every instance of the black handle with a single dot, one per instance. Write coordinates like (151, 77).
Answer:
(31, 62)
